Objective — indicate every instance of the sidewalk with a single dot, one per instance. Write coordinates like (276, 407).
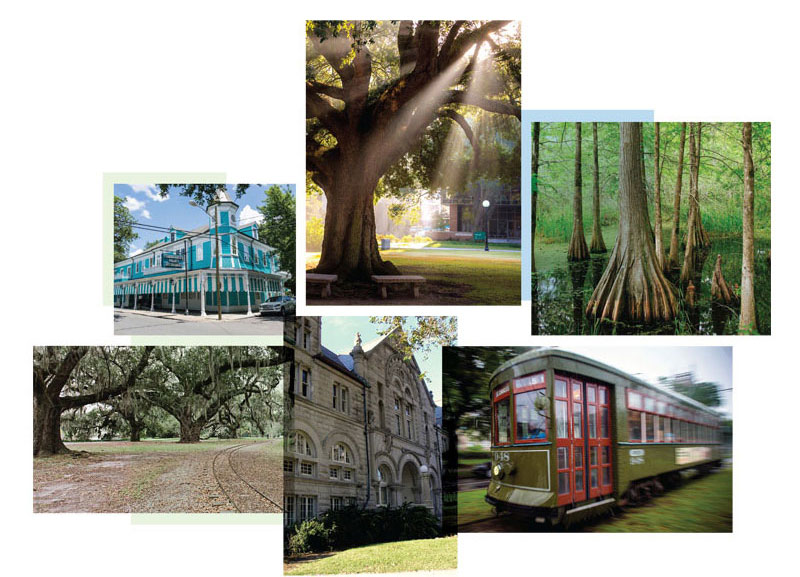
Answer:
(211, 316)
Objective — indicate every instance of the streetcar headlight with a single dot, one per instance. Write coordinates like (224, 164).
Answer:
(497, 471)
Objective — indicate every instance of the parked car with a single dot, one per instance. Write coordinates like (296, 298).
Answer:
(283, 305)
(484, 470)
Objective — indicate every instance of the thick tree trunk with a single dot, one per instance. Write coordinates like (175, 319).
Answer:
(46, 427)
(692, 239)
(721, 291)
(676, 205)
(577, 244)
(747, 316)
(598, 244)
(349, 245)
(537, 127)
(190, 431)
(701, 239)
(633, 286)
(657, 198)
(136, 430)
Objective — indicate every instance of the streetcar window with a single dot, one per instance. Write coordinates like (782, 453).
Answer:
(531, 415)
(604, 434)
(561, 388)
(592, 421)
(563, 458)
(593, 456)
(576, 391)
(502, 419)
(578, 458)
(659, 429)
(593, 478)
(606, 475)
(606, 455)
(634, 400)
(603, 395)
(649, 404)
(563, 483)
(634, 426)
(590, 393)
(561, 420)
(578, 481)
(651, 433)
(577, 420)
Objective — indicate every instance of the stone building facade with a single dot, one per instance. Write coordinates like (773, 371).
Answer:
(361, 427)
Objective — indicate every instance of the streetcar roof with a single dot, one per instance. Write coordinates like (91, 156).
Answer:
(542, 353)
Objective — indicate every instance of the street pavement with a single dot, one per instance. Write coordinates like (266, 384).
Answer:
(129, 322)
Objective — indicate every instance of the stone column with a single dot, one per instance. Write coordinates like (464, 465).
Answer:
(174, 284)
(202, 295)
(427, 498)
(247, 288)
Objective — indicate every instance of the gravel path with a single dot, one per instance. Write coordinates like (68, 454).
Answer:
(160, 481)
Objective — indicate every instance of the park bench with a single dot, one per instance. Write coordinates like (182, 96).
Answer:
(324, 279)
(386, 279)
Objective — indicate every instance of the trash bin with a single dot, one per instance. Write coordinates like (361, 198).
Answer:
(386, 243)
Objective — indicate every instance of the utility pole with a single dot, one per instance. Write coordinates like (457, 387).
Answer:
(186, 276)
(216, 235)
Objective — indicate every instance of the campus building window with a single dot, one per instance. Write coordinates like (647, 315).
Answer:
(337, 503)
(347, 475)
(345, 399)
(333, 472)
(308, 507)
(288, 466)
(305, 382)
(341, 454)
(307, 469)
(299, 443)
(289, 515)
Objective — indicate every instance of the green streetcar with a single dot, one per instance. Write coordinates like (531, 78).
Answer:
(572, 437)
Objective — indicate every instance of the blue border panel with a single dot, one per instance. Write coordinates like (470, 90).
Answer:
(528, 117)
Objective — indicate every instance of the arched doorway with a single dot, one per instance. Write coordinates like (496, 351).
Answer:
(410, 481)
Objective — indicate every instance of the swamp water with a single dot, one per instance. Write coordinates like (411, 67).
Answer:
(559, 296)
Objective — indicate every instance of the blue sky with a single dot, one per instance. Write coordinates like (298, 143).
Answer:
(149, 208)
(339, 334)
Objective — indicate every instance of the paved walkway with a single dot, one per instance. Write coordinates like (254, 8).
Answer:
(129, 322)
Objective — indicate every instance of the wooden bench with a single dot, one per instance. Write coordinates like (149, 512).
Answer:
(386, 279)
(324, 279)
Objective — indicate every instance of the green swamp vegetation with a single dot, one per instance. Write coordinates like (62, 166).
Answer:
(650, 296)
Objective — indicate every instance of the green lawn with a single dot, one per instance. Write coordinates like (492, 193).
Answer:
(701, 506)
(472, 507)
(490, 278)
(417, 555)
(473, 244)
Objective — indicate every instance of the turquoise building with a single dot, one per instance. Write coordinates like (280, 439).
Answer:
(179, 272)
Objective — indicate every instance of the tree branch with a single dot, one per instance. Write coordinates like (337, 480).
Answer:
(489, 105)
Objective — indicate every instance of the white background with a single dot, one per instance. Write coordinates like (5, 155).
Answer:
(94, 87)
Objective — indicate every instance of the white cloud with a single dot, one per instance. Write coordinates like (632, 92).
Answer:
(150, 191)
(133, 204)
(145, 213)
(137, 251)
(248, 214)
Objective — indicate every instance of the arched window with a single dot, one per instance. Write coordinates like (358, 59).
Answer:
(341, 454)
(384, 479)
(300, 444)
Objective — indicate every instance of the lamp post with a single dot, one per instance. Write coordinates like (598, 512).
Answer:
(216, 242)
(486, 221)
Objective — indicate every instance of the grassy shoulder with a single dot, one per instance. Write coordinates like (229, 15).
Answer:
(166, 445)
(473, 244)
(702, 505)
(416, 555)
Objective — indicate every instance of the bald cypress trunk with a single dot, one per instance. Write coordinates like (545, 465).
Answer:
(633, 287)
(659, 244)
(577, 244)
(676, 205)
(747, 316)
(598, 244)
(537, 127)
(700, 239)
(687, 271)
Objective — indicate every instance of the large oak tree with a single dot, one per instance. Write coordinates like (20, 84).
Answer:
(373, 91)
